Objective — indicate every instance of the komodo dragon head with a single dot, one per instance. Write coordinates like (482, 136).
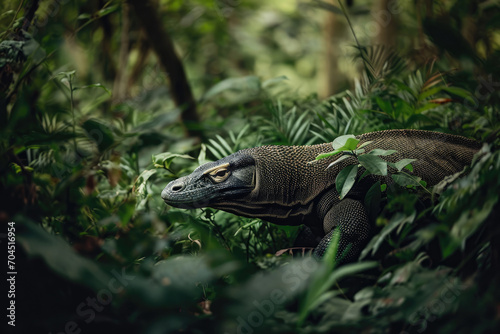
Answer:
(274, 183)
(232, 177)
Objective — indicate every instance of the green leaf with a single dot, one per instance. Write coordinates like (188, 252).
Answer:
(227, 148)
(202, 157)
(84, 16)
(327, 155)
(345, 179)
(340, 159)
(381, 152)
(427, 106)
(399, 165)
(385, 105)
(96, 85)
(107, 10)
(142, 179)
(459, 92)
(317, 288)
(217, 149)
(273, 81)
(399, 219)
(468, 222)
(364, 144)
(429, 92)
(341, 144)
(66, 74)
(99, 133)
(401, 107)
(17, 169)
(163, 160)
(30, 46)
(403, 87)
(415, 118)
(125, 211)
(321, 283)
(374, 164)
(247, 225)
(406, 180)
(345, 142)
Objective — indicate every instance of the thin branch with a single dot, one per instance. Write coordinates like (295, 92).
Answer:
(354, 35)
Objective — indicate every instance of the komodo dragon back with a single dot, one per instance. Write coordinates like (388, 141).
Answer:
(437, 154)
(281, 185)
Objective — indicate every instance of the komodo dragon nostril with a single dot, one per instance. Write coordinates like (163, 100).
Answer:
(177, 187)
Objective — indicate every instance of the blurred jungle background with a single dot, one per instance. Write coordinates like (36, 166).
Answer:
(104, 102)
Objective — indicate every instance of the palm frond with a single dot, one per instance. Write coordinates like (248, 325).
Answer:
(287, 127)
(221, 147)
(381, 63)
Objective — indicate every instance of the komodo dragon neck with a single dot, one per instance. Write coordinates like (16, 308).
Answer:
(286, 184)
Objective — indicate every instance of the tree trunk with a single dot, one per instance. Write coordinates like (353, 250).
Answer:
(386, 17)
(164, 48)
(121, 78)
(330, 78)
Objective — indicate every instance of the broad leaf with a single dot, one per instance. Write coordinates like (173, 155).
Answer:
(465, 94)
(340, 144)
(405, 163)
(364, 144)
(381, 152)
(406, 180)
(99, 133)
(346, 142)
(345, 179)
(373, 164)
(96, 85)
(384, 105)
(165, 159)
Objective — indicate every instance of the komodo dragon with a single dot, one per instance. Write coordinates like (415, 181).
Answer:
(277, 184)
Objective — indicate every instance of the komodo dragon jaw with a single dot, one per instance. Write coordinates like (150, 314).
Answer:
(232, 177)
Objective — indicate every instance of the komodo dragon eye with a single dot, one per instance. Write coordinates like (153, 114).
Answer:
(219, 173)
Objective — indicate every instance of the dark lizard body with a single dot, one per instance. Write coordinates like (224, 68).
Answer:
(279, 185)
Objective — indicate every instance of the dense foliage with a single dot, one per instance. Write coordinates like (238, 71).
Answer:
(92, 129)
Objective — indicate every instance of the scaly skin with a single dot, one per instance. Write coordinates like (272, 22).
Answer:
(278, 184)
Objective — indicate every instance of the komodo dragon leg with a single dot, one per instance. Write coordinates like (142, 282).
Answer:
(351, 218)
